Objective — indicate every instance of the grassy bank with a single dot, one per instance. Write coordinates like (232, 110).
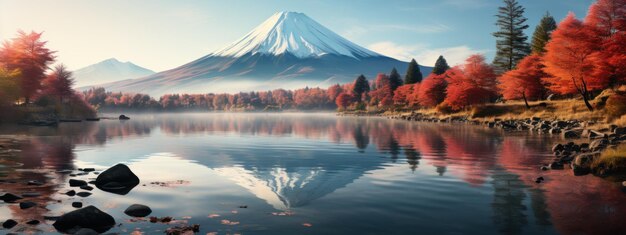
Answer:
(611, 161)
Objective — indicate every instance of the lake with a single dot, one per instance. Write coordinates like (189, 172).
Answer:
(312, 173)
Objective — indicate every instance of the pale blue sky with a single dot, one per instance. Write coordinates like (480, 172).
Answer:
(160, 35)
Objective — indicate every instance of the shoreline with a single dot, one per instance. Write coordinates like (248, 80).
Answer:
(583, 158)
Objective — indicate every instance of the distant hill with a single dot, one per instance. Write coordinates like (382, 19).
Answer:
(110, 70)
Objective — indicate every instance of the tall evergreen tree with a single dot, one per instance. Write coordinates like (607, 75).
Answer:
(360, 86)
(541, 36)
(394, 79)
(413, 73)
(441, 66)
(511, 42)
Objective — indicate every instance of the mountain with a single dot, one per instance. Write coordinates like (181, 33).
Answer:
(106, 71)
(289, 50)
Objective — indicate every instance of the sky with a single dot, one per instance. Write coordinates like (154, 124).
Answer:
(161, 35)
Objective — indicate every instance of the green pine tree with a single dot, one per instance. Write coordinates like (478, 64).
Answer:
(413, 73)
(360, 86)
(394, 79)
(541, 36)
(511, 45)
(441, 66)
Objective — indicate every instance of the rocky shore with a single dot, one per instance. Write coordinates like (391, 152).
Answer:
(584, 146)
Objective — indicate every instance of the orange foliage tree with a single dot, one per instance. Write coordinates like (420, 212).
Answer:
(59, 83)
(344, 99)
(432, 90)
(472, 83)
(607, 19)
(525, 82)
(570, 57)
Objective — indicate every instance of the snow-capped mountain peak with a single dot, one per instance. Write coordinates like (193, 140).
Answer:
(295, 33)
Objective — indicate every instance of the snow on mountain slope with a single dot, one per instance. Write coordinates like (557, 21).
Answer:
(110, 70)
(295, 33)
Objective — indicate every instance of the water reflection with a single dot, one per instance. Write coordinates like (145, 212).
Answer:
(291, 162)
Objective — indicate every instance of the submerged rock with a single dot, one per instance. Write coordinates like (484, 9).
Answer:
(9, 197)
(138, 210)
(118, 179)
(86, 231)
(70, 193)
(8, 224)
(123, 117)
(77, 183)
(83, 194)
(77, 204)
(89, 217)
(33, 222)
(26, 205)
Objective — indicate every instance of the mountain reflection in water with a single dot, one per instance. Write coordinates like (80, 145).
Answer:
(343, 174)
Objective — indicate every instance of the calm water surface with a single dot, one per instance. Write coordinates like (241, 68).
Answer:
(313, 174)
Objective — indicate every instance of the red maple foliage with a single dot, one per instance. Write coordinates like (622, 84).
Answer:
(524, 82)
(470, 84)
(334, 91)
(607, 19)
(570, 58)
(344, 99)
(432, 90)
(401, 94)
(59, 82)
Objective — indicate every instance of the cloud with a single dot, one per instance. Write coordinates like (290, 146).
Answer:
(421, 29)
(423, 54)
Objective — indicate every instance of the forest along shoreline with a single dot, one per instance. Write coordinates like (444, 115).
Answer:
(590, 147)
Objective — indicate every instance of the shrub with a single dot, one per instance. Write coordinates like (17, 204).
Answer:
(616, 105)
(444, 108)
(612, 161)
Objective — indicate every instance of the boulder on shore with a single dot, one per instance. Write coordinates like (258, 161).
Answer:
(118, 179)
(123, 117)
(138, 210)
(88, 217)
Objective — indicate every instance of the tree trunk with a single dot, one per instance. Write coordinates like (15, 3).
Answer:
(587, 102)
(525, 100)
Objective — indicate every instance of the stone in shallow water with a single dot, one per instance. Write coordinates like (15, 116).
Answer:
(77, 183)
(70, 193)
(77, 204)
(33, 222)
(86, 231)
(26, 205)
(9, 197)
(89, 217)
(8, 224)
(86, 187)
(83, 194)
(118, 179)
(138, 210)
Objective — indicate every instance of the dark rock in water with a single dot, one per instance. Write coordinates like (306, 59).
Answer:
(556, 166)
(70, 193)
(539, 179)
(118, 179)
(123, 117)
(138, 210)
(8, 224)
(544, 168)
(86, 187)
(620, 130)
(33, 222)
(243, 206)
(77, 204)
(83, 194)
(86, 231)
(26, 205)
(570, 134)
(77, 183)
(34, 183)
(557, 147)
(9, 197)
(88, 169)
(88, 217)
(31, 194)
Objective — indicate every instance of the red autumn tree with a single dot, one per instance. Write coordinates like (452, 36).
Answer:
(432, 90)
(344, 100)
(383, 95)
(28, 54)
(470, 84)
(607, 19)
(524, 82)
(412, 98)
(59, 83)
(402, 93)
(334, 91)
(570, 58)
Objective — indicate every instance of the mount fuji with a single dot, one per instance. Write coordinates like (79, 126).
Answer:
(289, 50)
